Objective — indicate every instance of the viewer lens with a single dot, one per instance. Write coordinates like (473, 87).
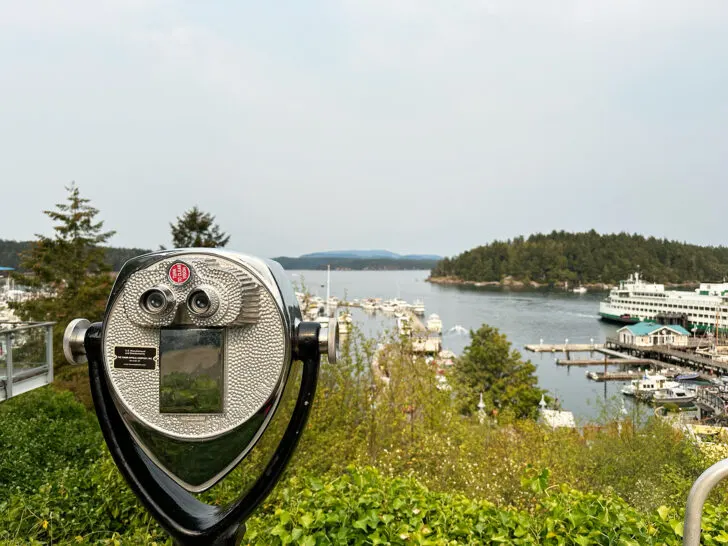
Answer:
(199, 302)
(154, 301)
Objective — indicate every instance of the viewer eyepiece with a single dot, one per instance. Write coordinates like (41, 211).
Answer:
(200, 303)
(157, 300)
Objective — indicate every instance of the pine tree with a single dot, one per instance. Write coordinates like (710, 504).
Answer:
(197, 229)
(67, 273)
(488, 365)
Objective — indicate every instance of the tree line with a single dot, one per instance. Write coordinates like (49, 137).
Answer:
(11, 251)
(587, 258)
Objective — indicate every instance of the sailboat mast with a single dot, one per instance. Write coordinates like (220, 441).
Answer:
(328, 288)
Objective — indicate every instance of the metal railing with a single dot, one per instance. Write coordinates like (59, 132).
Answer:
(26, 357)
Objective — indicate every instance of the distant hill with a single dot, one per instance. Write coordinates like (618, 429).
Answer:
(10, 254)
(585, 258)
(348, 259)
(369, 254)
(358, 264)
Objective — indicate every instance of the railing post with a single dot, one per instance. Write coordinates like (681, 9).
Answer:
(9, 366)
(49, 352)
(696, 499)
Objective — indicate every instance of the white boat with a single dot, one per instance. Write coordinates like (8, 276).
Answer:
(434, 324)
(333, 302)
(369, 305)
(388, 307)
(418, 308)
(579, 290)
(635, 300)
(647, 385)
(675, 395)
(404, 326)
(345, 321)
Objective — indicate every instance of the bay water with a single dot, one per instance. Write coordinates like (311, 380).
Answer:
(525, 317)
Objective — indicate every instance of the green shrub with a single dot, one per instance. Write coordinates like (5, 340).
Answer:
(43, 431)
(363, 507)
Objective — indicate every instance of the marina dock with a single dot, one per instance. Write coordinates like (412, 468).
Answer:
(614, 376)
(564, 348)
(605, 362)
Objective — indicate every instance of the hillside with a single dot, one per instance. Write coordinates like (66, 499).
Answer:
(358, 264)
(10, 254)
(588, 258)
(370, 254)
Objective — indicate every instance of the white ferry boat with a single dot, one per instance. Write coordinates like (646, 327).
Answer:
(635, 300)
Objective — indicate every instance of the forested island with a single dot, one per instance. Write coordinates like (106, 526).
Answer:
(583, 258)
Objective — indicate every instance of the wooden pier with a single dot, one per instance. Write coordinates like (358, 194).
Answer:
(613, 376)
(671, 355)
(605, 362)
(564, 348)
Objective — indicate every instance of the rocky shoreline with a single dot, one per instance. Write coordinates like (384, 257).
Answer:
(511, 283)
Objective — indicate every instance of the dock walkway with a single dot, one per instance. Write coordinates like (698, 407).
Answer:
(667, 354)
(564, 348)
(605, 362)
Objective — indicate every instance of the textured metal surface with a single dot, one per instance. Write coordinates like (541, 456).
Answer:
(256, 344)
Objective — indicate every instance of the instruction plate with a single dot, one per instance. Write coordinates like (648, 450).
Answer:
(135, 358)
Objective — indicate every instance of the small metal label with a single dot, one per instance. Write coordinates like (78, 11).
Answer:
(179, 273)
(135, 358)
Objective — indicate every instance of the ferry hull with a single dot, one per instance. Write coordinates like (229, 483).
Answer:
(617, 319)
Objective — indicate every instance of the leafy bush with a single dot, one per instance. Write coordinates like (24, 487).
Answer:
(377, 462)
(363, 507)
(41, 432)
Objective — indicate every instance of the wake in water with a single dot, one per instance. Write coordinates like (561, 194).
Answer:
(457, 330)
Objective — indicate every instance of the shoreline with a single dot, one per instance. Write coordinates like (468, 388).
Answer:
(511, 283)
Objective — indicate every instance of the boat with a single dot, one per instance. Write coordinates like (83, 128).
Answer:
(434, 324)
(404, 326)
(369, 305)
(674, 395)
(647, 385)
(388, 307)
(345, 321)
(690, 376)
(635, 300)
(418, 308)
(579, 290)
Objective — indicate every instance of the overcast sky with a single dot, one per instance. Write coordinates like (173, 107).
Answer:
(414, 125)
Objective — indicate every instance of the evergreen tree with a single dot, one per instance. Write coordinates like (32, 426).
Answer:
(197, 229)
(68, 273)
(489, 366)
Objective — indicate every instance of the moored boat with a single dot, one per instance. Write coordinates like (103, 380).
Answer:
(434, 324)
(674, 395)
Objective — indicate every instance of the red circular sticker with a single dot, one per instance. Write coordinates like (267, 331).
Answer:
(179, 273)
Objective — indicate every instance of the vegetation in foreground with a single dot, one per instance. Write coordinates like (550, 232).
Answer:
(384, 465)
(588, 258)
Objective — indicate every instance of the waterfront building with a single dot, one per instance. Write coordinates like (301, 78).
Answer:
(650, 334)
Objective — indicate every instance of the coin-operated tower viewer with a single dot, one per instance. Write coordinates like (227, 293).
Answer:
(195, 371)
